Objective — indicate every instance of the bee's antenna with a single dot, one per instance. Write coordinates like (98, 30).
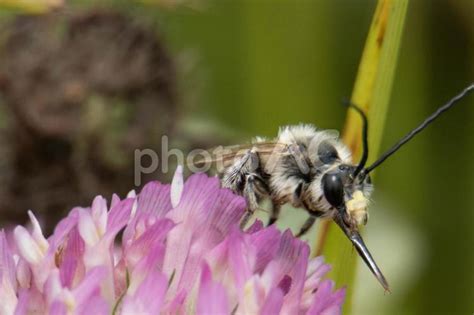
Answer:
(365, 142)
(422, 126)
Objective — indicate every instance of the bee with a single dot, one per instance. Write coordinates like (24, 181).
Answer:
(311, 169)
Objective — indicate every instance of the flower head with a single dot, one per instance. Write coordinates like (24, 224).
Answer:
(180, 252)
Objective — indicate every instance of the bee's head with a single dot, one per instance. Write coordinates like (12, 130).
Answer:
(348, 195)
(343, 189)
(347, 189)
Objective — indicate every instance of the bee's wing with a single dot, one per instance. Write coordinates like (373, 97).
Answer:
(225, 156)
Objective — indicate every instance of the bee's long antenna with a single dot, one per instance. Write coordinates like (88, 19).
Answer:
(365, 141)
(422, 126)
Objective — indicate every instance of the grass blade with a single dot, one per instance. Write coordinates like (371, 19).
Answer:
(371, 92)
(31, 6)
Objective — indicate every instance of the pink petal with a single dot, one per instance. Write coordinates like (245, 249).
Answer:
(241, 260)
(202, 227)
(27, 247)
(115, 200)
(314, 265)
(90, 285)
(149, 297)
(101, 256)
(7, 264)
(266, 244)
(178, 244)
(155, 199)
(192, 217)
(217, 259)
(232, 262)
(99, 213)
(212, 298)
(227, 214)
(297, 273)
(326, 301)
(146, 265)
(142, 246)
(95, 305)
(30, 301)
(132, 194)
(121, 280)
(71, 265)
(8, 285)
(58, 308)
(118, 217)
(52, 286)
(153, 202)
(176, 305)
(151, 262)
(136, 227)
(255, 227)
(87, 228)
(37, 233)
(273, 302)
(33, 250)
(63, 228)
(199, 194)
(314, 279)
(23, 273)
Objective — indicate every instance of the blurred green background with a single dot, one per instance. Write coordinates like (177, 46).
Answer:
(246, 67)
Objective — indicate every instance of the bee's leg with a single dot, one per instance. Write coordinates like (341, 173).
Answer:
(275, 214)
(242, 178)
(235, 177)
(306, 226)
(251, 195)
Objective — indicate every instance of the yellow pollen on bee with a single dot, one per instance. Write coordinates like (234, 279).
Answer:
(358, 202)
(357, 207)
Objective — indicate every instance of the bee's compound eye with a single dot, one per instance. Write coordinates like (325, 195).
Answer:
(327, 153)
(333, 189)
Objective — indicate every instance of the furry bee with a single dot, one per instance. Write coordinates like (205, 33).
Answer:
(311, 169)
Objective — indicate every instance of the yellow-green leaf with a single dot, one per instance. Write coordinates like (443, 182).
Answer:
(32, 6)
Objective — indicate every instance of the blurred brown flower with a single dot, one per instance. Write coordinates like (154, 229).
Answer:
(82, 92)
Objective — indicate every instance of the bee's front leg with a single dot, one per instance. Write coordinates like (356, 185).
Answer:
(275, 213)
(306, 226)
(250, 192)
(243, 178)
